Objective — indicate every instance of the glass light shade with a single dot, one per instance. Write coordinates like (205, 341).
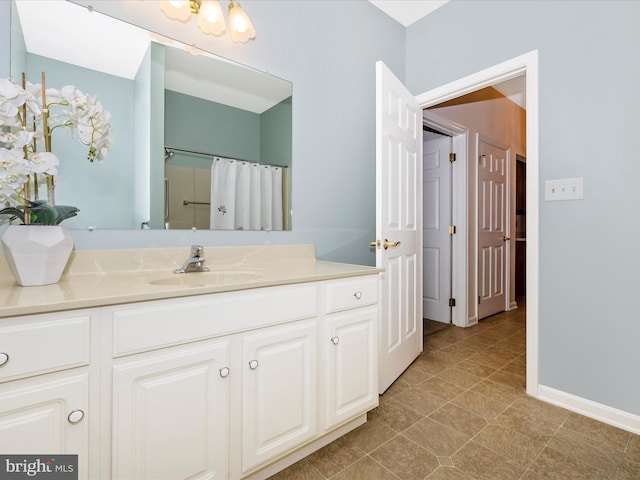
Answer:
(176, 9)
(239, 24)
(210, 17)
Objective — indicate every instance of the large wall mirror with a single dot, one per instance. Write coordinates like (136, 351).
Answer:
(198, 141)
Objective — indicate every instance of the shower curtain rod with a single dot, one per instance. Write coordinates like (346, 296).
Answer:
(205, 154)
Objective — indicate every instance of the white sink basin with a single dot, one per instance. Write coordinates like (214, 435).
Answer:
(212, 278)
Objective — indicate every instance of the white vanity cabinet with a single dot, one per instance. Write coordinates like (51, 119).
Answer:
(170, 413)
(349, 343)
(212, 386)
(229, 385)
(279, 391)
(44, 385)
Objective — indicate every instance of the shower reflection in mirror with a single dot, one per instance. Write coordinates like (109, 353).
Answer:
(208, 191)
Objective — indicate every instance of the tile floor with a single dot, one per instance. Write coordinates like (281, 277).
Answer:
(460, 412)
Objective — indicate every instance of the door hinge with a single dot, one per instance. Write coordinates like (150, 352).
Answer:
(452, 229)
(480, 157)
(479, 299)
(452, 302)
(452, 157)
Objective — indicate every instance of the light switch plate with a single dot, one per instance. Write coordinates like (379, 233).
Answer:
(563, 189)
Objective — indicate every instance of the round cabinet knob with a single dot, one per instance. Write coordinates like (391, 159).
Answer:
(75, 416)
(253, 364)
(4, 359)
(224, 372)
(358, 294)
(335, 340)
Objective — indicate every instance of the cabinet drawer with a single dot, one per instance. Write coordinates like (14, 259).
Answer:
(352, 293)
(163, 323)
(43, 343)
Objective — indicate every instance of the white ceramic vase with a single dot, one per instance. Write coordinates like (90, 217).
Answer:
(37, 254)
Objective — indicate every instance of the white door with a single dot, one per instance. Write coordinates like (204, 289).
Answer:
(436, 208)
(493, 164)
(398, 224)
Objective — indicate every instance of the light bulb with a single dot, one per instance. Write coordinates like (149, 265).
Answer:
(239, 23)
(210, 18)
(176, 9)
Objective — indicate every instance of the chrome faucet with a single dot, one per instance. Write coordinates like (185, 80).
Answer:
(195, 263)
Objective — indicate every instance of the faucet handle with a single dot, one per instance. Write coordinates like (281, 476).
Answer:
(197, 250)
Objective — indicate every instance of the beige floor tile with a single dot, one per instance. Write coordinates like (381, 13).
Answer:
(633, 449)
(475, 368)
(397, 415)
(435, 437)
(437, 386)
(463, 349)
(396, 387)
(420, 400)
(489, 359)
(553, 465)
(590, 451)
(459, 377)
(335, 457)
(459, 419)
(515, 446)
(628, 470)
(406, 459)
(483, 464)
(551, 413)
(498, 351)
(527, 423)
(515, 367)
(366, 469)
(301, 470)
(371, 435)
(498, 391)
(448, 473)
(597, 431)
(416, 373)
(518, 382)
(480, 404)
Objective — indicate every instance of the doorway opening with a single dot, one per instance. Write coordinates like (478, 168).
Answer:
(524, 65)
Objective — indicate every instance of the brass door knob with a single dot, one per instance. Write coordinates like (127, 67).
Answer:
(385, 245)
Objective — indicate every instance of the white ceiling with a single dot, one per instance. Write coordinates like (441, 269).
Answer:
(407, 12)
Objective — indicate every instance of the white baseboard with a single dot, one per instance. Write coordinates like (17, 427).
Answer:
(597, 411)
(513, 305)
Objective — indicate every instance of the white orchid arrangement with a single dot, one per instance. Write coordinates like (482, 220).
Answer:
(28, 115)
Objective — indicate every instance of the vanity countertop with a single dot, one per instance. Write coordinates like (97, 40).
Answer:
(108, 277)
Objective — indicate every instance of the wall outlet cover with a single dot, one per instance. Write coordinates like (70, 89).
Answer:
(563, 189)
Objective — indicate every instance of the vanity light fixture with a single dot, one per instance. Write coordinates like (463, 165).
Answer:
(210, 17)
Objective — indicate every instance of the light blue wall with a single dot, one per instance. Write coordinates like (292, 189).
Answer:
(89, 186)
(589, 72)
(275, 134)
(5, 39)
(328, 50)
(195, 124)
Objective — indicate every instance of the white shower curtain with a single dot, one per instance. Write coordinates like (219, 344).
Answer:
(245, 196)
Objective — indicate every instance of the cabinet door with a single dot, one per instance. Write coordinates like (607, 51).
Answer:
(349, 346)
(279, 391)
(170, 413)
(35, 416)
